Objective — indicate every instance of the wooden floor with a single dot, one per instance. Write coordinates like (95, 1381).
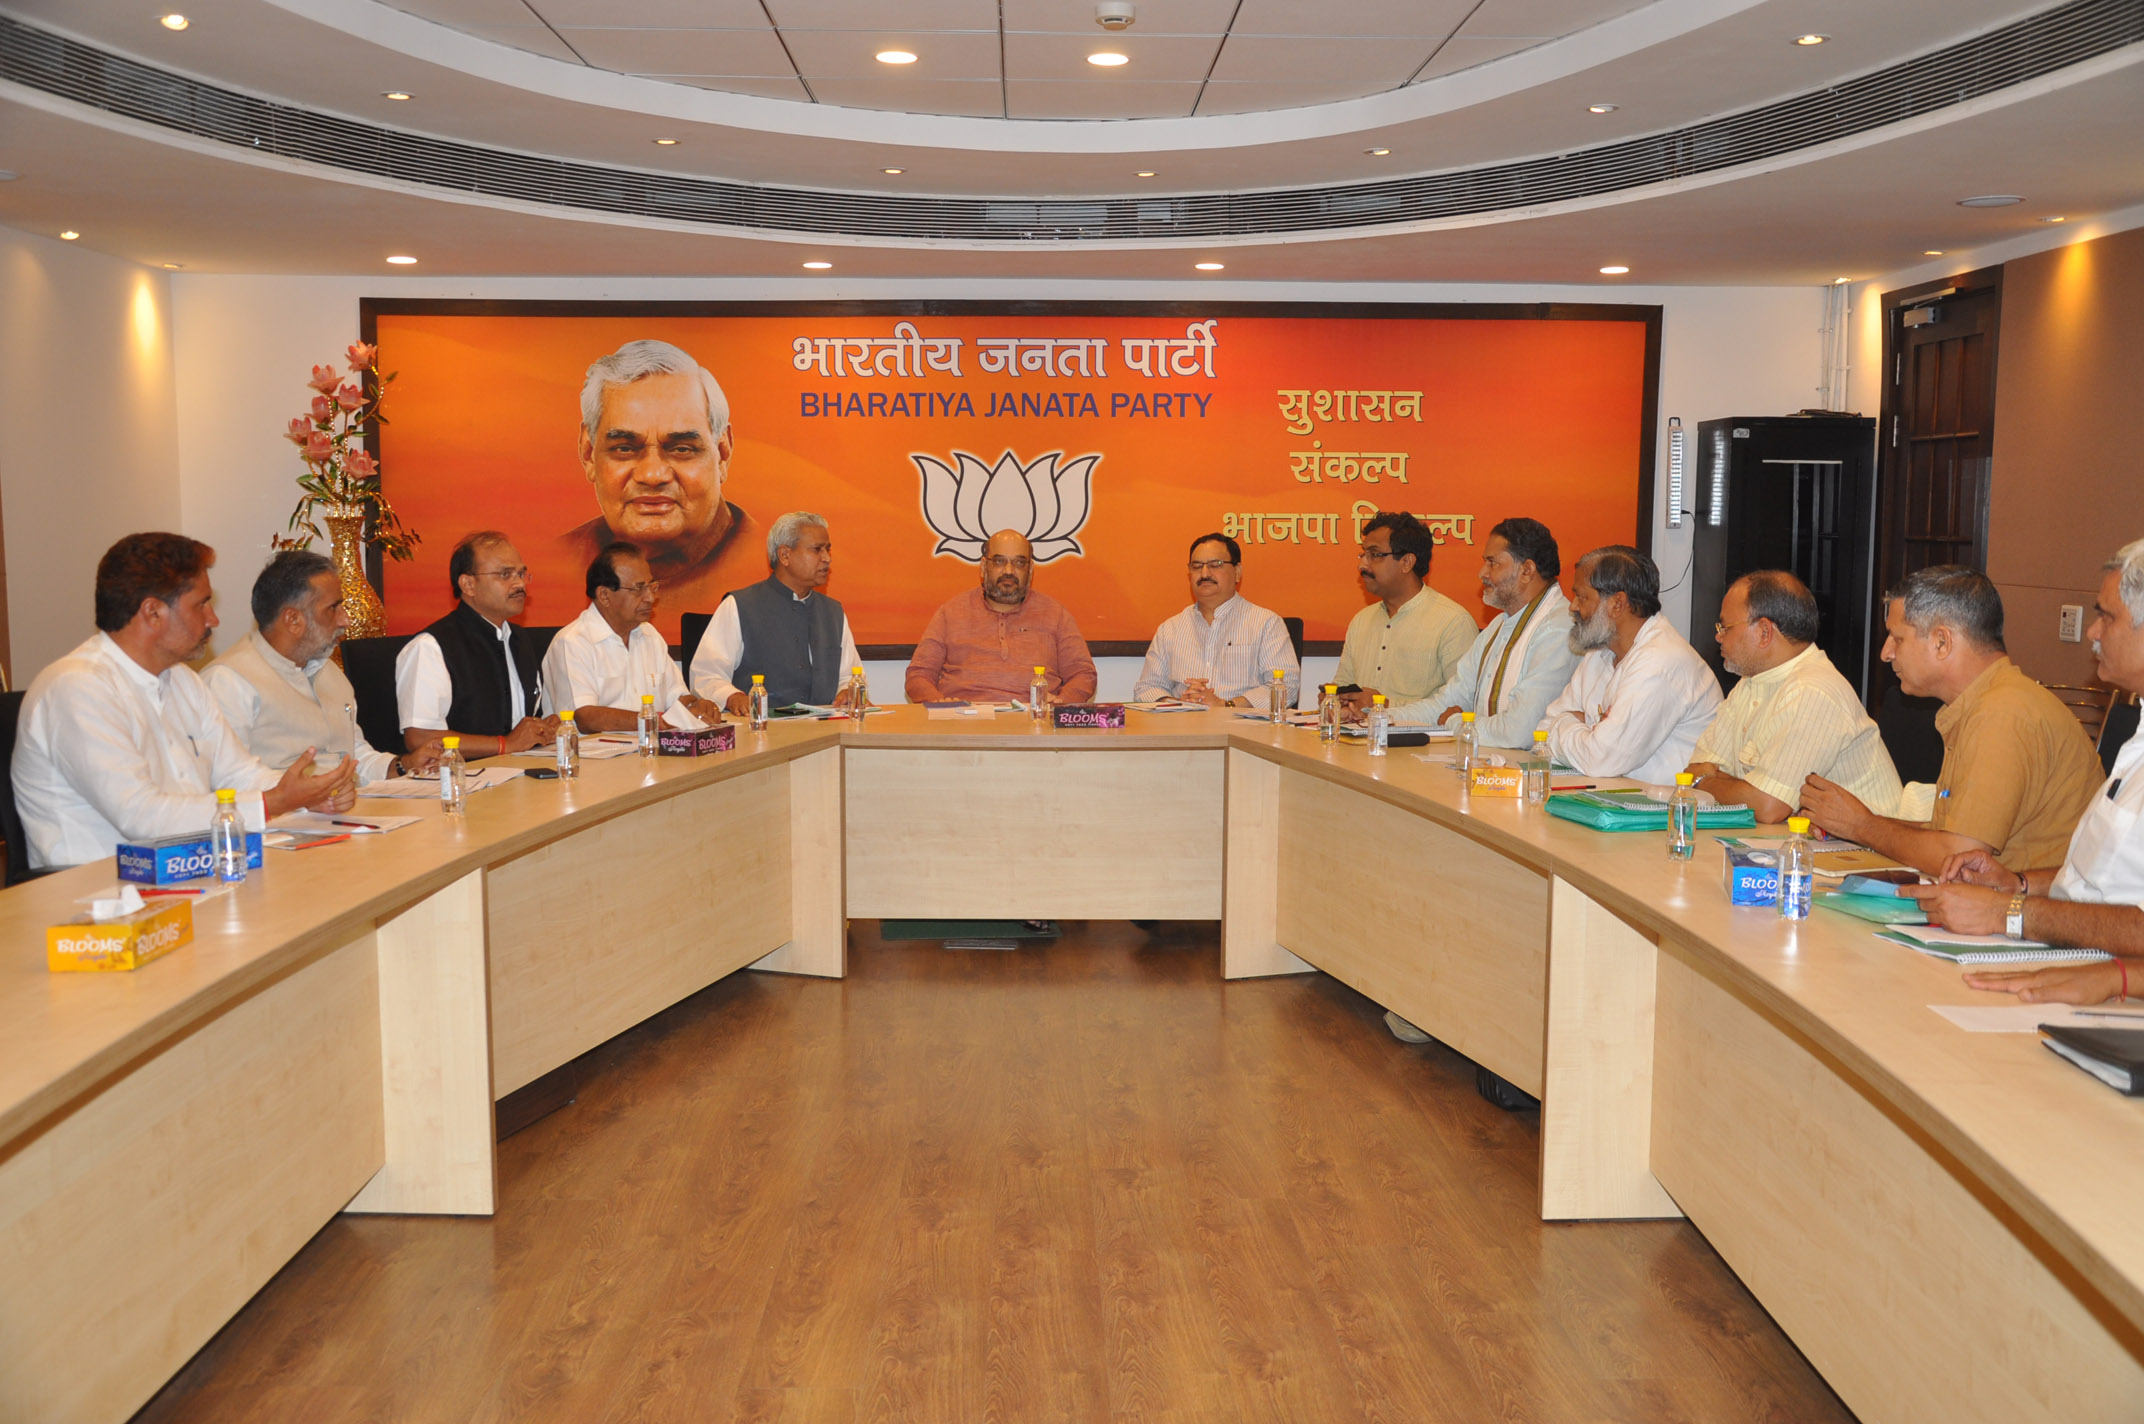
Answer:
(1086, 1181)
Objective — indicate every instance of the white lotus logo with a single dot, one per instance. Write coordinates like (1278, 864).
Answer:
(968, 502)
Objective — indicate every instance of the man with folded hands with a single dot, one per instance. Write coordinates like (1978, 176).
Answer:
(2095, 899)
(1222, 649)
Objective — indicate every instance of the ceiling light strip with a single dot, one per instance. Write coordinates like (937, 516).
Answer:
(2053, 39)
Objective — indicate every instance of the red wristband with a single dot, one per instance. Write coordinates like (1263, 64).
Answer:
(2125, 975)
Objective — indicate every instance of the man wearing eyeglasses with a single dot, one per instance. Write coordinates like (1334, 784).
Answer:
(985, 645)
(474, 674)
(603, 662)
(783, 628)
(1223, 648)
(1410, 641)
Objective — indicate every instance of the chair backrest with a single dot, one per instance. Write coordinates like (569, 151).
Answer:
(2115, 732)
(2088, 705)
(691, 627)
(370, 665)
(1295, 635)
(18, 845)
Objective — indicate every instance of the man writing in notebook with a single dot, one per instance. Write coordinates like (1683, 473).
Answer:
(2095, 899)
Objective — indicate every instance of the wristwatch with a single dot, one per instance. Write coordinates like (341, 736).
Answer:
(2014, 917)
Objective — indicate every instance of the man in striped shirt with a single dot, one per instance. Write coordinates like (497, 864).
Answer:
(1223, 649)
(1792, 715)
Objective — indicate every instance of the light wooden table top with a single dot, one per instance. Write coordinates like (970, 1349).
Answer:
(2059, 1150)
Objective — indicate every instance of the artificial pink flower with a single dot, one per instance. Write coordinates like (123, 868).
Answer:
(325, 379)
(318, 446)
(350, 397)
(362, 355)
(323, 408)
(358, 465)
(300, 429)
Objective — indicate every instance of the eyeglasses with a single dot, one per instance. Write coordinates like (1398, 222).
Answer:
(1207, 566)
(637, 589)
(1000, 562)
(1370, 553)
(1719, 630)
(510, 575)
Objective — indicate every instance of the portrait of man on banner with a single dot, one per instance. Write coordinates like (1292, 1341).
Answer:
(655, 447)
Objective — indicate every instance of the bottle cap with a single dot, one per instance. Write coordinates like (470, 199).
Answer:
(647, 699)
(1332, 688)
(1038, 672)
(1466, 716)
(226, 798)
(1279, 674)
(1540, 734)
(1798, 824)
(857, 671)
(565, 715)
(1685, 778)
(1377, 699)
(452, 744)
(758, 678)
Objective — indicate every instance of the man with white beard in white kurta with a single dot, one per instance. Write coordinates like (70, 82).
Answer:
(1641, 695)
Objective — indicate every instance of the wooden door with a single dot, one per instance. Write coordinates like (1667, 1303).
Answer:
(1935, 444)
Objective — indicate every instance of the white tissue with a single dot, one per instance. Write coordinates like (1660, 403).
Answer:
(113, 907)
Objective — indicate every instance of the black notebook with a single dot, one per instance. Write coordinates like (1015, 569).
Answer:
(2115, 1056)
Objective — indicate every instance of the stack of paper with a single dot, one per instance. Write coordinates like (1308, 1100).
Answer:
(1981, 949)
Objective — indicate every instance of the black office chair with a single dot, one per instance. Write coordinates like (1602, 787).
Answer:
(370, 665)
(1295, 636)
(2115, 732)
(18, 844)
(691, 628)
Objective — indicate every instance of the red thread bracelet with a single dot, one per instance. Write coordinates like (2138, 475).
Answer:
(2125, 975)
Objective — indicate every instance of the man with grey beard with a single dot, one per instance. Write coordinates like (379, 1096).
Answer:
(1641, 696)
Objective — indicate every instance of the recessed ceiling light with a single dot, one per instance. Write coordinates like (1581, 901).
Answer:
(174, 266)
(174, 22)
(2055, 219)
(893, 171)
(1840, 281)
(69, 236)
(666, 143)
(401, 261)
(1602, 108)
(1807, 40)
(1208, 266)
(1377, 152)
(398, 95)
(1108, 58)
(1613, 271)
(818, 266)
(1991, 200)
(1144, 173)
(895, 56)
(1933, 252)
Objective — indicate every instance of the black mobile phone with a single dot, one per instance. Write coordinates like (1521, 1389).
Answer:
(541, 773)
(1346, 688)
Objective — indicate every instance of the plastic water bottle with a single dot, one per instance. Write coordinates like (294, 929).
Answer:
(1797, 870)
(227, 839)
(859, 695)
(1682, 817)
(1329, 712)
(1533, 775)
(1380, 724)
(453, 791)
(1038, 695)
(569, 747)
(1463, 744)
(756, 703)
(1277, 697)
(644, 740)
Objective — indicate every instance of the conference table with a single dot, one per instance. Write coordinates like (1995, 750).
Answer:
(1942, 1221)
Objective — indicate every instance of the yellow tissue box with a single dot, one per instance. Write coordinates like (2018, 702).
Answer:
(128, 943)
(1495, 781)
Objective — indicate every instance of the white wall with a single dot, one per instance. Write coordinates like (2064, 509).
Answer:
(245, 342)
(88, 433)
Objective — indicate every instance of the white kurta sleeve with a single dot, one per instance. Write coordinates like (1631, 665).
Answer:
(423, 691)
(1155, 675)
(714, 662)
(1274, 649)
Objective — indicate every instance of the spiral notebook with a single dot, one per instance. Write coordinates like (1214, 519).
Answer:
(1982, 949)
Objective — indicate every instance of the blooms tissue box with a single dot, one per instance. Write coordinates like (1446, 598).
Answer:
(176, 858)
(124, 943)
(1495, 780)
(1752, 869)
(695, 741)
(1087, 714)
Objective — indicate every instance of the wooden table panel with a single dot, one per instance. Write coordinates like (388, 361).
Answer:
(1435, 926)
(978, 833)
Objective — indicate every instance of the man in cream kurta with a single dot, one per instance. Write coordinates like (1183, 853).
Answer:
(1518, 663)
(1641, 695)
(279, 687)
(1792, 715)
(1407, 644)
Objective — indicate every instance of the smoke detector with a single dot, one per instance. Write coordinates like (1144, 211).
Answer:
(1115, 14)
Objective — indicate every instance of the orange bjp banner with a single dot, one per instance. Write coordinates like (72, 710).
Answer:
(1110, 435)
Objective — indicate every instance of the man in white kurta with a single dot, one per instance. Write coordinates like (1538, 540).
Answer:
(1517, 664)
(601, 664)
(1640, 696)
(279, 687)
(121, 742)
(1222, 650)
